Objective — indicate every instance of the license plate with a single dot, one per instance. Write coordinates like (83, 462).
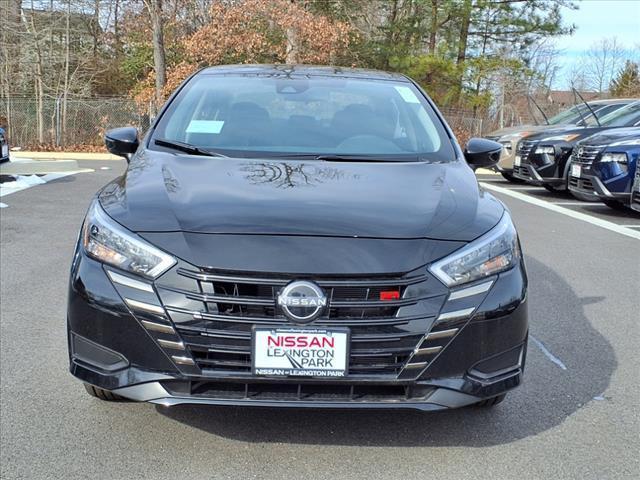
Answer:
(303, 352)
(5, 151)
(516, 161)
(576, 170)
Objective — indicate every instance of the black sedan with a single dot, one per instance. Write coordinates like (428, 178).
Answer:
(298, 237)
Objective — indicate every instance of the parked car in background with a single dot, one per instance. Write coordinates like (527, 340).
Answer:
(544, 158)
(578, 115)
(604, 166)
(4, 146)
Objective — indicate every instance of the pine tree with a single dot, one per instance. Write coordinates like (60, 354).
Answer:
(627, 82)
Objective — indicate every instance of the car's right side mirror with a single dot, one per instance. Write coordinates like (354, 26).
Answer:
(122, 141)
(482, 153)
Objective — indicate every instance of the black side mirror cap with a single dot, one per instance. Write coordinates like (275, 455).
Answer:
(482, 153)
(122, 141)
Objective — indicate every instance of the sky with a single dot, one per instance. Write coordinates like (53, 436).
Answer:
(594, 20)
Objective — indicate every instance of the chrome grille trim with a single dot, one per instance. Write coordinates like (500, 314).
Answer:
(470, 291)
(456, 314)
(416, 365)
(148, 307)
(182, 360)
(171, 344)
(129, 282)
(157, 327)
(441, 334)
(428, 350)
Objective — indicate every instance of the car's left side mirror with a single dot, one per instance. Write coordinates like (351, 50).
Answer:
(122, 141)
(482, 153)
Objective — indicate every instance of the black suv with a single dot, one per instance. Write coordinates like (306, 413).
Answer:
(298, 236)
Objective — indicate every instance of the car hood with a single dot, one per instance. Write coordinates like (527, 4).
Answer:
(509, 131)
(163, 192)
(609, 136)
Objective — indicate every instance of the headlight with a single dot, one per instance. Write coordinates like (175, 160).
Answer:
(108, 242)
(494, 252)
(614, 157)
(545, 150)
(507, 146)
(561, 138)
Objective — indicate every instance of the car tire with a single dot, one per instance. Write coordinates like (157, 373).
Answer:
(552, 188)
(584, 197)
(509, 177)
(491, 402)
(103, 394)
(614, 204)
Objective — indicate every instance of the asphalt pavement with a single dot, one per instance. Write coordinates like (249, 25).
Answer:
(576, 416)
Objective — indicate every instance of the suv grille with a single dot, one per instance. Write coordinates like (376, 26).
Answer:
(524, 150)
(585, 154)
(635, 189)
(215, 312)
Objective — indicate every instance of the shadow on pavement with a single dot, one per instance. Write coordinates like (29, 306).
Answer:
(547, 397)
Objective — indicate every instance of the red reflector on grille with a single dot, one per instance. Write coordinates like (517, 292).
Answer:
(390, 295)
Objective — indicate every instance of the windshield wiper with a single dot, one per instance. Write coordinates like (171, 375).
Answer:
(186, 148)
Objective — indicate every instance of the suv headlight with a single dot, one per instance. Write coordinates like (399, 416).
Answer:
(545, 150)
(109, 242)
(614, 157)
(495, 251)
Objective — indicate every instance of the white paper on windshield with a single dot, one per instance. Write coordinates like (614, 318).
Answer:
(205, 126)
(406, 94)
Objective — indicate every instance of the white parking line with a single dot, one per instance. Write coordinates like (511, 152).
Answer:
(614, 227)
(546, 351)
(582, 204)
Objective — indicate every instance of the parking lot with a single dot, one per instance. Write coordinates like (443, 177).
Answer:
(575, 416)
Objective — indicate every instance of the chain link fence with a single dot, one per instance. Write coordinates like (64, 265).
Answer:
(82, 121)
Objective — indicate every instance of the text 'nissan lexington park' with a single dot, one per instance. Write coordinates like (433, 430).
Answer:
(298, 236)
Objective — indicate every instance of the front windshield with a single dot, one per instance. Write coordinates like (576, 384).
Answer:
(569, 116)
(290, 114)
(627, 116)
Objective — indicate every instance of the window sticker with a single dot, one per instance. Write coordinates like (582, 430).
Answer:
(407, 94)
(205, 126)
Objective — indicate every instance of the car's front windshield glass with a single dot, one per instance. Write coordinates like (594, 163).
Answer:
(253, 115)
(627, 116)
(569, 116)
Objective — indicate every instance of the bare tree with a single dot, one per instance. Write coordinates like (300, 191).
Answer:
(159, 60)
(602, 61)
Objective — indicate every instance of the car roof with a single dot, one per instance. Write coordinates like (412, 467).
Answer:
(303, 70)
(612, 101)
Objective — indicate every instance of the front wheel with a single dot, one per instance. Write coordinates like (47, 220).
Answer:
(509, 176)
(491, 402)
(103, 394)
(554, 188)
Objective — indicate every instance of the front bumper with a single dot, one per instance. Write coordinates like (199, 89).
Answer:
(112, 349)
(592, 185)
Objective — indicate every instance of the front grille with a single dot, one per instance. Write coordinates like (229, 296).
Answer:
(299, 392)
(524, 150)
(522, 171)
(585, 154)
(215, 312)
(583, 184)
